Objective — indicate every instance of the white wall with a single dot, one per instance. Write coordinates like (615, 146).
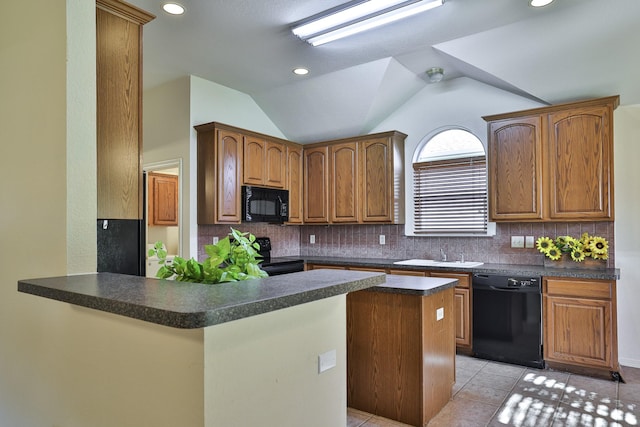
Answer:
(460, 102)
(627, 209)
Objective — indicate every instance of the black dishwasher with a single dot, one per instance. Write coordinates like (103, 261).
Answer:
(507, 324)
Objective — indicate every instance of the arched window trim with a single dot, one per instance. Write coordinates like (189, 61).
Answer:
(450, 193)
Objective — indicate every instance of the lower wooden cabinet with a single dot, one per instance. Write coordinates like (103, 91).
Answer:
(462, 306)
(579, 318)
(400, 357)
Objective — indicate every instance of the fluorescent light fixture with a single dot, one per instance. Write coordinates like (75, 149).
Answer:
(173, 8)
(357, 16)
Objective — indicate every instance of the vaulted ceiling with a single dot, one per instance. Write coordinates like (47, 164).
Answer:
(569, 50)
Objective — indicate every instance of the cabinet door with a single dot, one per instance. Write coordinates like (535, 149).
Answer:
(376, 177)
(294, 183)
(463, 316)
(254, 161)
(229, 175)
(275, 167)
(580, 157)
(462, 306)
(515, 169)
(343, 182)
(163, 199)
(316, 185)
(579, 322)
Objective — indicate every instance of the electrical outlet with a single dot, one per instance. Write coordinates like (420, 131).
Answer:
(326, 361)
(215, 240)
(382, 239)
(440, 313)
(517, 241)
(529, 242)
(312, 239)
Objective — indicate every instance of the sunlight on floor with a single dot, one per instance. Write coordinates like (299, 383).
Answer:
(582, 408)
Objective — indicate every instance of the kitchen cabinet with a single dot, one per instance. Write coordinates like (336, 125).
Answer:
(316, 184)
(579, 320)
(162, 199)
(295, 178)
(264, 162)
(553, 163)
(119, 109)
(462, 306)
(219, 174)
(343, 185)
(400, 355)
(356, 180)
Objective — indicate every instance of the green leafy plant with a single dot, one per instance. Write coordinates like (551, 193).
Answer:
(233, 258)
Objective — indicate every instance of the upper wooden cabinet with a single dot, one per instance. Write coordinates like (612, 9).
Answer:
(264, 162)
(219, 174)
(553, 163)
(119, 109)
(316, 184)
(356, 180)
(163, 199)
(295, 178)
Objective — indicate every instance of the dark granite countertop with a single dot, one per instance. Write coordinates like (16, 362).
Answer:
(521, 270)
(195, 305)
(414, 285)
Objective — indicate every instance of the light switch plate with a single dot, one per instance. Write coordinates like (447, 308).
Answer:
(529, 242)
(312, 239)
(382, 239)
(326, 361)
(517, 241)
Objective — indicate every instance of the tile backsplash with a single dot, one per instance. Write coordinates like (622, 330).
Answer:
(363, 241)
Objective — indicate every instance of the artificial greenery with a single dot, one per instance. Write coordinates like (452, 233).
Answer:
(233, 258)
(586, 246)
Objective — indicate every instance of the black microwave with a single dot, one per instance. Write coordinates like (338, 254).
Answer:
(261, 204)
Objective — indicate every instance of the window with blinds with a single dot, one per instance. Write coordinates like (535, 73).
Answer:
(450, 194)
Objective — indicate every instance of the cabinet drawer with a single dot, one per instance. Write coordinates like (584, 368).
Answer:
(464, 279)
(585, 288)
(407, 272)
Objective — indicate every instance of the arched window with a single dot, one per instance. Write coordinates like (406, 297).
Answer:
(450, 184)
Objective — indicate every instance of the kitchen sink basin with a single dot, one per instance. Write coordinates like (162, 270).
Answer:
(434, 263)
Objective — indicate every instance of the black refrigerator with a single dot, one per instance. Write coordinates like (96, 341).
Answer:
(121, 246)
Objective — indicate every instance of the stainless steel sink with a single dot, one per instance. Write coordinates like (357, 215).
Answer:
(434, 263)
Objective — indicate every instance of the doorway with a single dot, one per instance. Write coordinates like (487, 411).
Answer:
(168, 232)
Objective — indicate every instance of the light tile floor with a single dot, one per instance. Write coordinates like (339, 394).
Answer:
(493, 394)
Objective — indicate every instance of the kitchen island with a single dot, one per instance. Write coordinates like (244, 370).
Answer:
(168, 353)
(401, 348)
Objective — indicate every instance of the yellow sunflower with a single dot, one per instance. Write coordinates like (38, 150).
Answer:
(554, 253)
(577, 254)
(599, 246)
(544, 244)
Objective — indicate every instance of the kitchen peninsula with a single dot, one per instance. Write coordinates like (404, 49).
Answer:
(169, 353)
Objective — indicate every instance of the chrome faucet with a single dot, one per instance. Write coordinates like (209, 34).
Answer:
(443, 256)
(461, 256)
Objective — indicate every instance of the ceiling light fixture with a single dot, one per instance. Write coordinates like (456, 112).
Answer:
(357, 16)
(539, 3)
(435, 74)
(300, 71)
(173, 8)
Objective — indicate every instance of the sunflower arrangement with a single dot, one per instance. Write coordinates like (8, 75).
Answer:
(585, 247)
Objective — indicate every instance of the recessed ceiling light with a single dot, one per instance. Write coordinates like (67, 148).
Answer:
(539, 3)
(300, 71)
(173, 8)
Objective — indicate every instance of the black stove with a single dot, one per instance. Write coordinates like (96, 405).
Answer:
(278, 265)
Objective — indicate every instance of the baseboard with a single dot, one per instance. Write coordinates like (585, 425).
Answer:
(632, 363)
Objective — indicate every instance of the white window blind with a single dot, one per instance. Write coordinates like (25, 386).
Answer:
(451, 196)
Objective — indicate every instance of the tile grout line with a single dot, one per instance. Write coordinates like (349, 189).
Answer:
(505, 398)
